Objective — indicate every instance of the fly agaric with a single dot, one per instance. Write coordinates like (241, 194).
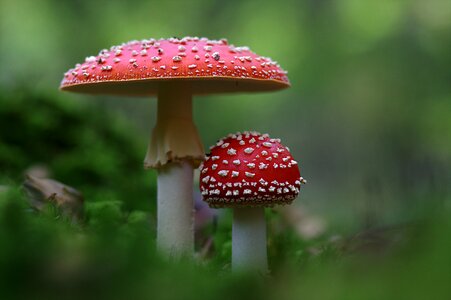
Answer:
(174, 70)
(248, 172)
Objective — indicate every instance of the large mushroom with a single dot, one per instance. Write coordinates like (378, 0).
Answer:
(248, 172)
(174, 70)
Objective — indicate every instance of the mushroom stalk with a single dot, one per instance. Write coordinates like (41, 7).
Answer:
(175, 137)
(249, 240)
(174, 150)
(175, 232)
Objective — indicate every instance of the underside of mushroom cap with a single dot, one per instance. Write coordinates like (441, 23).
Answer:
(138, 68)
(249, 169)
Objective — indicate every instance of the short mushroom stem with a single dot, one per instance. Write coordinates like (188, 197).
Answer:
(174, 150)
(175, 136)
(175, 233)
(249, 240)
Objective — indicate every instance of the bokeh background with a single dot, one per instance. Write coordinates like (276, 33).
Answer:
(368, 116)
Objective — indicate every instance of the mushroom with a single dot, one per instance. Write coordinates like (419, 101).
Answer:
(248, 172)
(174, 70)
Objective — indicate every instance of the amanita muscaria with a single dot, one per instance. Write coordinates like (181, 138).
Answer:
(174, 70)
(248, 172)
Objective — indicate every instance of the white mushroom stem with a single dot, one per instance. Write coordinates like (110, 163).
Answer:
(249, 240)
(174, 150)
(175, 231)
(175, 136)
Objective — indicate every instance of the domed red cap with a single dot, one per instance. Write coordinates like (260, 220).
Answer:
(138, 67)
(249, 169)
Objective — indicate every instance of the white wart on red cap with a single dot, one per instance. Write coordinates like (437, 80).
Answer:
(249, 169)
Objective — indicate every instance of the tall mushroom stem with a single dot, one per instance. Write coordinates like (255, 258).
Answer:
(249, 240)
(175, 149)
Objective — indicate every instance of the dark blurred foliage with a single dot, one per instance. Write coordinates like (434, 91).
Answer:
(111, 255)
(81, 144)
(368, 116)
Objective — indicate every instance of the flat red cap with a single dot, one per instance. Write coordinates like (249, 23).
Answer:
(138, 67)
(249, 169)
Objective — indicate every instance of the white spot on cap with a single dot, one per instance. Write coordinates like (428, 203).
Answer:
(106, 68)
(267, 144)
(223, 173)
(177, 58)
(262, 166)
(214, 166)
(237, 162)
(249, 150)
(235, 173)
(248, 174)
(90, 59)
(231, 151)
(251, 165)
(247, 192)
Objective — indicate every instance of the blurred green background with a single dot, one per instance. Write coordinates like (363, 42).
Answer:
(368, 116)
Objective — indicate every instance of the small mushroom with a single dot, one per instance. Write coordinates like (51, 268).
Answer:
(174, 70)
(263, 174)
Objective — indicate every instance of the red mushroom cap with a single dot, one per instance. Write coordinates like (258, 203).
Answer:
(138, 67)
(249, 169)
